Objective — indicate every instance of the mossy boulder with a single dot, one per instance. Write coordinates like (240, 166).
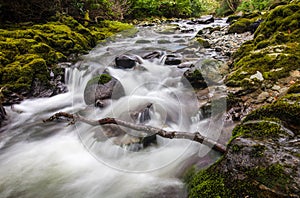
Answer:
(102, 88)
(262, 159)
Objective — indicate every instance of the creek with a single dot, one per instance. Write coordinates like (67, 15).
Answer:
(55, 160)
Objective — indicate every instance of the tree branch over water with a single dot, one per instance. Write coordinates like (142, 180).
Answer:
(197, 137)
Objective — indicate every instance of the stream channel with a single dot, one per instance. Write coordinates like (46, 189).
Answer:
(50, 160)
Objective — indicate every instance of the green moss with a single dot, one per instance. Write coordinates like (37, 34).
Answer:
(272, 176)
(207, 184)
(27, 52)
(295, 88)
(287, 110)
(258, 130)
(203, 42)
(275, 50)
(101, 79)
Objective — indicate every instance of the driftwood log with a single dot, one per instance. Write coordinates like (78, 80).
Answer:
(197, 137)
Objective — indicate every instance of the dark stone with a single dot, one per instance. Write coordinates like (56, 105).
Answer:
(187, 30)
(152, 55)
(194, 78)
(205, 20)
(218, 49)
(252, 28)
(97, 91)
(172, 59)
(126, 61)
(2, 114)
(232, 18)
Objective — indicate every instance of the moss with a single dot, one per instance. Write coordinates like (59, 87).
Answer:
(207, 184)
(295, 88)
(272, 176)
(27, 52)
(287, 110)
(258, 130)
(240, 26)
(101, 79)
(203, 42)
(274, 51)
(258, 151)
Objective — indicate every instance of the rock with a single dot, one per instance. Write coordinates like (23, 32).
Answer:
(154, 54)
(2, 114)
(163, 41)
(101, 88)
(127, 61)
(186, 65)
(262, 160)
(262, 97)
(187, 30)
(205, 20)
(194, 78)
(203, 43)
(142, 41)
(172, 59)
(257, 76)
(276, 88)
(252, 27)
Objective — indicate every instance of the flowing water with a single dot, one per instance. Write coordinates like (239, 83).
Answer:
(55, 160)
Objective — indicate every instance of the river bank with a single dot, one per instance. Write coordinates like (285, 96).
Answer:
(30, 54)
(262, 159)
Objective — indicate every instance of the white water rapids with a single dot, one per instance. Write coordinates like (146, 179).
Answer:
(53, 160)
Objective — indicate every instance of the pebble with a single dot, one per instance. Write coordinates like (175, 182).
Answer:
(262, 97)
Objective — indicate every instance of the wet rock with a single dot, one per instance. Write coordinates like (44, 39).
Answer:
(154, 54)
(172, 59)
(127, 61)
(262, 160)
(205, 20)
(252, 27)
(101, 88)
(2, 114)
(204, 42)
(163, 41)
(186, 65)
(187, 30)
(194, 78)
(142, 41)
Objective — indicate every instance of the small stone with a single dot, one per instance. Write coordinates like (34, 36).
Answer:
(258, 76)
(276, 88)
(262, 97)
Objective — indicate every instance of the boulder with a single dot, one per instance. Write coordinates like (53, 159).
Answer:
(262, 160)
(194, 78)
(101, 88)
(172, 59)
(127, 61)
(206, 20)
(153, 55)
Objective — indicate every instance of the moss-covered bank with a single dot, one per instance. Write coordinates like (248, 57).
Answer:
(262, 158)
(274, 51)
(30, 52)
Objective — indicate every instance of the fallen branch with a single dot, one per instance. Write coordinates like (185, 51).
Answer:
(197, 137)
